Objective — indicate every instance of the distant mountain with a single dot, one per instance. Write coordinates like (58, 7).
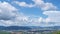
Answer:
(29, 28)
(15, 28)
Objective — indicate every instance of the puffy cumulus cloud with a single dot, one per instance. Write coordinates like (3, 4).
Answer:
(7, 5)
(24, 4)
(53, 16)
(28, 21)
(44, 6)
(10, 16)
(7, 11)
(38, 3)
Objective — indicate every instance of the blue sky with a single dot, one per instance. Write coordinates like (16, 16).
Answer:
(30, 12)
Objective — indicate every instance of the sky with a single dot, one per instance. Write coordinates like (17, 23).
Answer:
(30, 13)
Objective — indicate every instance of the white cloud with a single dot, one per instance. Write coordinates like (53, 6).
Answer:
(49, 10)
(24, 4)
(44, 5)
(38, 3)
(7, 5)
(10, 16)
(7, 11)
(53, 16)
